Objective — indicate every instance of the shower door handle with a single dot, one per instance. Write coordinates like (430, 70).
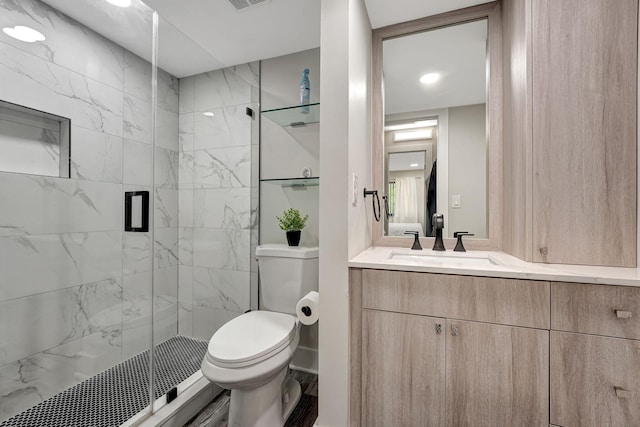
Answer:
(136, 211)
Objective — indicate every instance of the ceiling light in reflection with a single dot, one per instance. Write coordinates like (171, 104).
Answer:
(412, 135)
(413, 125)
(426, 123)
(208, 113)
(413, 165)
(120, 3)
(24, 34)
(429, 78)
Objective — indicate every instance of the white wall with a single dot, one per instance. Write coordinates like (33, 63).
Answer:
(284, 152)
(468, 169)
(345, 141)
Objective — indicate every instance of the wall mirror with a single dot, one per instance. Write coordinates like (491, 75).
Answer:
(437, 101)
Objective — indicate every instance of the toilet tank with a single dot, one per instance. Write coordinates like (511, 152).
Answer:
(287, 273)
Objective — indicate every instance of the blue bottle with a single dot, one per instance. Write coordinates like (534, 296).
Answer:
(305, 91)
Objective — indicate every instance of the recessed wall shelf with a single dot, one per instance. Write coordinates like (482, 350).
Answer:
(34, 142)
(294, 182)
(296, 116)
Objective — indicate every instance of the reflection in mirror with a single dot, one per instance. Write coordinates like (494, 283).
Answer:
(435, 138)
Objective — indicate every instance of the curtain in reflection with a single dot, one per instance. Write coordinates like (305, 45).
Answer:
(406, 203)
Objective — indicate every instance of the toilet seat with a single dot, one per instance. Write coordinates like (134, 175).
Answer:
(251, 338)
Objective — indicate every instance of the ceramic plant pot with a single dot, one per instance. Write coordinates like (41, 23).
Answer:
(293, 237)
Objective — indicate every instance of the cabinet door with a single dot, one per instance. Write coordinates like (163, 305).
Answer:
(402, 370)
(496, 375)
(584, 131)
(594, 381)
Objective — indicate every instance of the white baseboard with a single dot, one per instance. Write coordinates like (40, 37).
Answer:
(305, 359)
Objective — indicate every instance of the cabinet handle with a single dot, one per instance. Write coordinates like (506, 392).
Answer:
(454, 329)
(544, 251)
(621, 314)
(438, 328)
(622, 393)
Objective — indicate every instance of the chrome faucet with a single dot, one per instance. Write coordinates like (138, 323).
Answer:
(438, 225)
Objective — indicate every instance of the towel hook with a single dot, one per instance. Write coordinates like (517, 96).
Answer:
(374, 199)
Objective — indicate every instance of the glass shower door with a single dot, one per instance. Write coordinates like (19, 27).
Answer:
(75, 287)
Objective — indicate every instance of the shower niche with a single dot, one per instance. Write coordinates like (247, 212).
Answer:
(34, 142)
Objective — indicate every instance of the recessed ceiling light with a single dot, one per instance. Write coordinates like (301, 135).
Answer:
(24, 34)
(429, 78)
(413, 165)
(208, 113)
(120, 3)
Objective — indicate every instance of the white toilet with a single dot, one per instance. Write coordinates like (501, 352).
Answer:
(250, 355)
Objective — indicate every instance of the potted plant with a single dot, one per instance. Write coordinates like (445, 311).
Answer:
(293, 223)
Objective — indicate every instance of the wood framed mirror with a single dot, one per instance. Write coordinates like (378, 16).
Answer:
(455, 124)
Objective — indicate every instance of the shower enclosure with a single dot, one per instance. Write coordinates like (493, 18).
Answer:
(126, 212)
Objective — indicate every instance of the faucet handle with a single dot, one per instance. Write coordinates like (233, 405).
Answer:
(459, 246)
(416, 241)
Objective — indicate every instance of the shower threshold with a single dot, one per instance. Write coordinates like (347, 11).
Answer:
(112, 397)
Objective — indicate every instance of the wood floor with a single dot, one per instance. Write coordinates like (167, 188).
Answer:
(304, 414)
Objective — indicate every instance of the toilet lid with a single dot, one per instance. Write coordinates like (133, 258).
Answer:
(251, 336)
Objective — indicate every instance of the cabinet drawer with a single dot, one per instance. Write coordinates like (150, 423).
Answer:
(482, 299)
(595, 381)
(596, 309)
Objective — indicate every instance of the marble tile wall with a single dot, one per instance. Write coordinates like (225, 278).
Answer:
(31, 143)
(217, 215)
(75, 290)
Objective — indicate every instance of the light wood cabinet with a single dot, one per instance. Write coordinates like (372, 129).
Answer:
(482, 299)
(595, 378)
(496, 375)
(596, 309)
(423, 365)
(445, 350)
(595, 381)
(403, 377)
(570, 130)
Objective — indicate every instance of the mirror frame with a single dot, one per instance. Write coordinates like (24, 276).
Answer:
(491, 12)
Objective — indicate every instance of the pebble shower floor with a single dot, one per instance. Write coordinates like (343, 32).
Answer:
(117, 394)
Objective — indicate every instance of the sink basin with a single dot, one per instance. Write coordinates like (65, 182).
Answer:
(444, 259)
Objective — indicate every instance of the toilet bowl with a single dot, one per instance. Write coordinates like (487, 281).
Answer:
(250, 356)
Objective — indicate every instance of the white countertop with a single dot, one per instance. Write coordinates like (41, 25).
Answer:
(507, 267)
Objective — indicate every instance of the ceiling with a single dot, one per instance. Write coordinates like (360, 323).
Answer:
(202, 35)
(387, 12)
(457, 53)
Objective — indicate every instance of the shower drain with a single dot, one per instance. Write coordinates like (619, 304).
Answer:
(117, 394)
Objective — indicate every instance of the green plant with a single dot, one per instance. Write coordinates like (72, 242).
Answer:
(291, 220)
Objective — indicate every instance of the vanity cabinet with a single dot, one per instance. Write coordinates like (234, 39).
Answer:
(403, 379)
(595, 355)
(594, 380)
(450, 350)
(497, 375)
(570, 124)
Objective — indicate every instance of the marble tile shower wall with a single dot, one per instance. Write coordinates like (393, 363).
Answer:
(74, 288)
(218, 230)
